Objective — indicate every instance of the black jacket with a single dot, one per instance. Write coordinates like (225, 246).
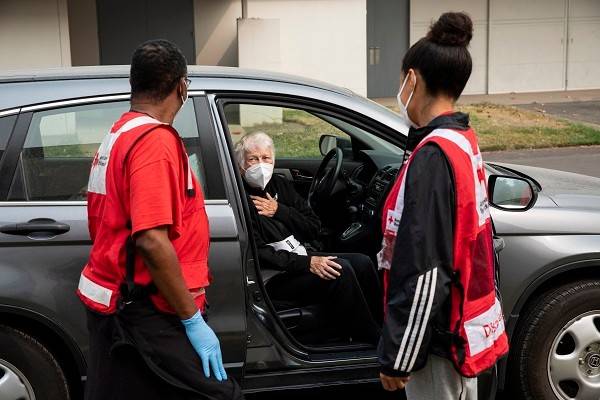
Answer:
(418, 309)
(293, 217)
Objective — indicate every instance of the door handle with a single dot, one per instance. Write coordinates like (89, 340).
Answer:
(297, 175)
(37, 225)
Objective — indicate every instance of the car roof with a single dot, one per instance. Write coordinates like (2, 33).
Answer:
(194, 71)
(38, 88)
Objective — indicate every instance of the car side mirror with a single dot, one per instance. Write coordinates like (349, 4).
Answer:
(511, 193)
(327, 143)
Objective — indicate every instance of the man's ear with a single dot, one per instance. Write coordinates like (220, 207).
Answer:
(179, 88)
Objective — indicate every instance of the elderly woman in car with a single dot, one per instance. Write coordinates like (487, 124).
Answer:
(346, 285)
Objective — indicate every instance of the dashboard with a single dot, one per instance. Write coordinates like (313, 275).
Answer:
(370, 183)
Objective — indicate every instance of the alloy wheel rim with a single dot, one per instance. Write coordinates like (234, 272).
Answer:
(574, 360)
(13, 384)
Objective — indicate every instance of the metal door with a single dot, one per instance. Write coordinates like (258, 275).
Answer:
(387, 41)
(122, 26)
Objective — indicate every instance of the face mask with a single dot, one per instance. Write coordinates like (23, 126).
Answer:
(404, 108)
(258, 175)
(183, 100)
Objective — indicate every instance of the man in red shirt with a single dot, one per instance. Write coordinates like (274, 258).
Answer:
(144, 283)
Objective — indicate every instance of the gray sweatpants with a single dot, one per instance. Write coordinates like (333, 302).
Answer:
(438, 380)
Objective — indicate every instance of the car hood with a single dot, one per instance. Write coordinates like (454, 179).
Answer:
(568, 204)
(565, 189)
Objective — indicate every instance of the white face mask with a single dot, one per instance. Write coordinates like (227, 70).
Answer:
(183, 100)
(404, 108)
(259, 175)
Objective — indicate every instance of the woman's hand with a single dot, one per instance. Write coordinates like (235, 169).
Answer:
(325, 267)
(266, 207)
(391, 383)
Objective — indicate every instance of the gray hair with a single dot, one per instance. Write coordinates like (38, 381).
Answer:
(252, 141)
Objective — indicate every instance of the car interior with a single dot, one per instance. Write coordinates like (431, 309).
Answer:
(344, 173)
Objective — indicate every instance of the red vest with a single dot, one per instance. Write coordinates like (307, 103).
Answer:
(476, 317)
(109, 220)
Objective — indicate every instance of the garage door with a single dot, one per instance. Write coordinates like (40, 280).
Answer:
(527, 47)
(583, 52)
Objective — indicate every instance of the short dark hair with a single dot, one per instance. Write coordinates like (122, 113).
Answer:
(156, 67)
(442, 57)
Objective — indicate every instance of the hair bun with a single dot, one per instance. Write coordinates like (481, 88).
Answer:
(451, 29)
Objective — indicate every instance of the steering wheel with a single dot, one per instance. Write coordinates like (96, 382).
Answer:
(325, 179)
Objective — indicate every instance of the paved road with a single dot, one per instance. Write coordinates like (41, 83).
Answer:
(579, 111)
(365, 391)
(581, 160)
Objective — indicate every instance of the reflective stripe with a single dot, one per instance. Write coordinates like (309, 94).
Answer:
(481, 205)
(97, 181)
(94, 291)
(483, 330)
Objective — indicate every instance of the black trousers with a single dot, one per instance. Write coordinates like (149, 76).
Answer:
(140, 353)
(353, 301)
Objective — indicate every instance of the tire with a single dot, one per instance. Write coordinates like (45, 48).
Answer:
(555, 354)
(27, 369)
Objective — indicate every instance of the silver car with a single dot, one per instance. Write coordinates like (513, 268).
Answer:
(52, 122)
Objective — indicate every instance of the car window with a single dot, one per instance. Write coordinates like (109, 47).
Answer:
(295, 132)
(6, 127)
(61, 144)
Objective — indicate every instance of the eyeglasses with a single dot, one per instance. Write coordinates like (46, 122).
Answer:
(187, 82)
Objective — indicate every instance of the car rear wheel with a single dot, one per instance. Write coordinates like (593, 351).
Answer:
(28, 371)
(556, 352)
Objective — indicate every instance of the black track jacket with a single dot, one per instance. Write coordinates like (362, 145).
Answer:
(423, 248)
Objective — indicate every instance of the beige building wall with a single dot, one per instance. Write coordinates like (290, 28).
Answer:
(527, 45)
(583, 55)
(320, 39)
(215, 26)
(83, 31)
(259, 48)
(424, 12)
(34, 34)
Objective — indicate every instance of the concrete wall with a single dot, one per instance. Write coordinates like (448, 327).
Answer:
(34, 34)
(83, 31)
(320, 39)
(527, 46)
(583, 56)
(215, 26)
(424, 12)
(259, 48)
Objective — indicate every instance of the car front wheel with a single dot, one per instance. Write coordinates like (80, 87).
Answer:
(556, 352)
(28, 371)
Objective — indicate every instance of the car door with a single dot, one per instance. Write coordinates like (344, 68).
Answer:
(296, 134)
(44, 239)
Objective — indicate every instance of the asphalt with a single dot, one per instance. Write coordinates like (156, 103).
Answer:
(580, 160)
(578, 111)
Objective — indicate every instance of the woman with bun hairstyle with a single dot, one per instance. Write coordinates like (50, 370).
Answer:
(444, 323)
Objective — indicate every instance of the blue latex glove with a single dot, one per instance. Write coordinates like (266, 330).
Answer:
(206, 344)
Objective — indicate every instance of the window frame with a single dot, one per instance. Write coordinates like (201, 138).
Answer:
(11, 179)
(14, 114)
(362, 121)
(308, 113)
(253, 275)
